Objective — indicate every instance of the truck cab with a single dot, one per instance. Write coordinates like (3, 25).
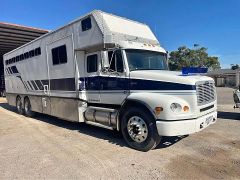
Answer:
(147, 99)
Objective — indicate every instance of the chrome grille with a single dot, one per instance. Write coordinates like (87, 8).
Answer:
(206, 92)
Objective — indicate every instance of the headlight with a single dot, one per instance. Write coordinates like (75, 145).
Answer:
(175, 107)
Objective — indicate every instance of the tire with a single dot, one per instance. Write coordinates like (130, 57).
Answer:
(4, 93)
(19, 106)
(139, 129)
(28, 108)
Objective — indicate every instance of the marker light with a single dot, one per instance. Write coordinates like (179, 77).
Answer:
(158, 110)
(185, 108)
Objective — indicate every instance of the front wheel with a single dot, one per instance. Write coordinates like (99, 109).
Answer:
(139, 129)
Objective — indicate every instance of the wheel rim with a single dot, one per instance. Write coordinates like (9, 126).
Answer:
(19, 105)
(27, 107)
(137, 129)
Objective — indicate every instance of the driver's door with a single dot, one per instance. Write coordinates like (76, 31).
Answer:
(114, 82)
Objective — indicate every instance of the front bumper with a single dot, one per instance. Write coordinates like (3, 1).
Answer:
(183, 127)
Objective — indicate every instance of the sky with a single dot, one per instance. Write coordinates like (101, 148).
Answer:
(214, 24)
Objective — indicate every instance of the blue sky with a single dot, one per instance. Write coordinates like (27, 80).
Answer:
(214, 24)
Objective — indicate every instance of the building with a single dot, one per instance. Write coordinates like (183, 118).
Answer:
(226, 77)
(11, 37)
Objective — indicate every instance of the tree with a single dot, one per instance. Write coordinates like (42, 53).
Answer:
(235, 66)
(186, 57)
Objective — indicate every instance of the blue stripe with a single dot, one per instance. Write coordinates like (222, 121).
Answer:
(114, 83)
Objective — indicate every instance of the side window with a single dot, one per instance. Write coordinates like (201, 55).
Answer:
(59, 55)
(37, 51)
(111, 60)
(26, 55)
(115, 61)
(86, 24)
(119, 61)
(31, 53)
(92, 65)
(21, 57)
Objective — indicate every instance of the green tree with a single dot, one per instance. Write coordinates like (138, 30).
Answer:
(197, 57)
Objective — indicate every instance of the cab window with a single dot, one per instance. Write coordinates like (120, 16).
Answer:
(115, 61)
(92, 65)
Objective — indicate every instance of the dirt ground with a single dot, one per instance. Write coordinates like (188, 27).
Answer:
(50, 148)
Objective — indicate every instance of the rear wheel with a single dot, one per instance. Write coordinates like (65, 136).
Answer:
(139, 129)
(19, 105)
(28, 108)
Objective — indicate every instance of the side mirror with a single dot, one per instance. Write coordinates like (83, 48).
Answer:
(104, 57)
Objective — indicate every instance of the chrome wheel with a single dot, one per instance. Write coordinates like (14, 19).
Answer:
(27, 106)
(19, 105)
(137, 129)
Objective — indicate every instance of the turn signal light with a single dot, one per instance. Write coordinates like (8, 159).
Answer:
(158, 110)
(185, 108)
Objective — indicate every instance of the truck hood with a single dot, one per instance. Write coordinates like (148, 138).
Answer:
(166, 80)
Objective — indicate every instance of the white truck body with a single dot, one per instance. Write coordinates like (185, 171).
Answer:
(68, 73)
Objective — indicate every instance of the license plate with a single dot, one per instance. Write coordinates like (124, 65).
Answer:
(208, 120)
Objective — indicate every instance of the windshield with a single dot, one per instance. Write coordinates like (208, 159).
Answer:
(145, 60)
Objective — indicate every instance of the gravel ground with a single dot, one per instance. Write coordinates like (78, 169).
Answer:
(50, 148)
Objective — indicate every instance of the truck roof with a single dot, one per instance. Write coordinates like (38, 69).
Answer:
(114, 29)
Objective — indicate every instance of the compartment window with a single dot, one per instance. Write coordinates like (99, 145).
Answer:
(21, 57)
(59, 55)
(37, 51)
(86, 24)
(26, 55)
(16, 59)
(92, 63)
(31, 53)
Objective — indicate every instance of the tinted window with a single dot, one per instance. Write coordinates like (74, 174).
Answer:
(21, 57)
(115, 61)
(55, 58)
(86, 24)
(62, 54)
(37, 51)
(26, 55)
(119, 61)
(59, 55)
(92, 63)
(111, 60)
(145, 60)
(31, 53)
(17, 59)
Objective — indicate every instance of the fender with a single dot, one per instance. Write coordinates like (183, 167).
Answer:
(152, 100)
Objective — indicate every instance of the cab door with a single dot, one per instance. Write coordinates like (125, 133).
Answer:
(114, 84)
(92, 78)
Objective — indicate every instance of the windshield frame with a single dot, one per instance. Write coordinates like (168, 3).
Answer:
(146, 50)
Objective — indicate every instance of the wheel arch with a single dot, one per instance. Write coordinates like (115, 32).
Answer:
(26, 97)
(133, 102)
(18, 97)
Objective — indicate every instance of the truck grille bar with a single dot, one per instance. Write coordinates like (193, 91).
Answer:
(206, 92)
